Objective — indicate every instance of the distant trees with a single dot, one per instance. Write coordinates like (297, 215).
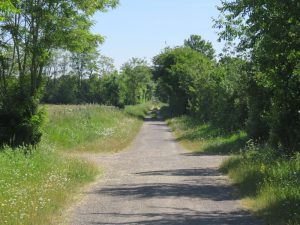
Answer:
(136, 84)
(92, 78)
(29, 31)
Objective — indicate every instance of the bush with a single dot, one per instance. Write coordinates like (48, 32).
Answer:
(20, 120)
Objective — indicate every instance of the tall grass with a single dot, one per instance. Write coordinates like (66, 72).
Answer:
(269, 181)
(34, 188)
(91, 128)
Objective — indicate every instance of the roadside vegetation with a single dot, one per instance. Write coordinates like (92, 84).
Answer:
(245, 102)
(205, 138)
(268, 181)
(92, 128)
(36, 185)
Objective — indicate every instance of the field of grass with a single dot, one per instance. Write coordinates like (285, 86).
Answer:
(92, 128)
(269, 182)
(35, 187)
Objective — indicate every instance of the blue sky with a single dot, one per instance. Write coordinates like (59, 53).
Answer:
(142, 28)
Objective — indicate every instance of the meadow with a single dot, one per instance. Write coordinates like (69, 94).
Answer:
(36, 186)
(268, 180)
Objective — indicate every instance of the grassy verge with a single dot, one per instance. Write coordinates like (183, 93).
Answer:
(198, 137)
(269, 182)
(35, 187)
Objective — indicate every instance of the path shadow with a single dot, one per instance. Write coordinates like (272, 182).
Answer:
(182, 216)
(218, 192)
(182, 172)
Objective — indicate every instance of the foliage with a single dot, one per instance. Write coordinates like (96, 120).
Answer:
(195, 84)
(6, 7)
(229, 94)
(28, 37)
(268, 32)
(196, 43)
(179, 71)
(92, 78)
(136, 85)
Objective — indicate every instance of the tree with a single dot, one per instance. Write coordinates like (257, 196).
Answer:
(196, 43)
(182, 74)
(268, 31)
(6, 7)
(135, 82)
(229, 94)
(30, 34)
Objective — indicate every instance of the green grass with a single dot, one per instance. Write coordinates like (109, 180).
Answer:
(140, 110)
(91, 128)
(269, 182)
(36, 187)
(205, 138)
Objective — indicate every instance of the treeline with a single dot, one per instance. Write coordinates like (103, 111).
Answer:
(258, 89)
(89, 77)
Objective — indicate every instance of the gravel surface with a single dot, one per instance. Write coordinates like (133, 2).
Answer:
(157, 182)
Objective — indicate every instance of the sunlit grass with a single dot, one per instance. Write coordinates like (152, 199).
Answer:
(269, 182)
(36, 187)
(199, 137)
(91, 127)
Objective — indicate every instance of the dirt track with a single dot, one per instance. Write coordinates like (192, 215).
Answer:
(157, 182)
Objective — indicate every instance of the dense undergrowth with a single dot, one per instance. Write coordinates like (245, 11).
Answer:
(35, 186)
(269, 181)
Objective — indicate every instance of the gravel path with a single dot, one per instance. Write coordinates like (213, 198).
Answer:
(157, 182)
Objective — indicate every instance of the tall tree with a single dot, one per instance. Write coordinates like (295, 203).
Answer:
(30, 34)
(269, 31)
